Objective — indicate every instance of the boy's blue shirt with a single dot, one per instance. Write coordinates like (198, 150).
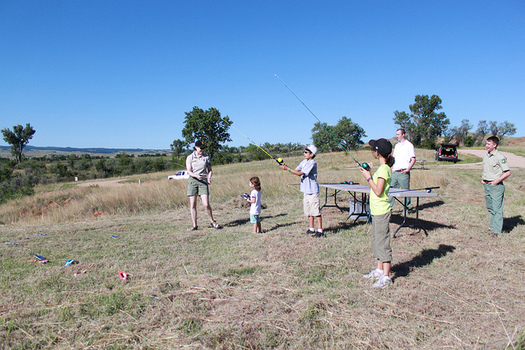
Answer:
(309, 183)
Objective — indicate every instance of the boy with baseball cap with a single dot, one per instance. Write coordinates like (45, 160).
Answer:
(307, 170)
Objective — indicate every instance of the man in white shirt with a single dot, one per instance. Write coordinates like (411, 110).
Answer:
(405, 158)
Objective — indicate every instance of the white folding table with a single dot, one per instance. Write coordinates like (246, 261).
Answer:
(397, 193)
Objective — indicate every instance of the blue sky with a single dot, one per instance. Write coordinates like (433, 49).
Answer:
(121, 74)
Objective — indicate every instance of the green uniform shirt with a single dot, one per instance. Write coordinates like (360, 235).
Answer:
(381, 205)
(494, 164)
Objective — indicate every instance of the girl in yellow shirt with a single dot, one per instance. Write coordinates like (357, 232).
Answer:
(381, 210)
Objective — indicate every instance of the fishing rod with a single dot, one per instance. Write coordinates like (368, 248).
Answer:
(364, 165)
(278, 160)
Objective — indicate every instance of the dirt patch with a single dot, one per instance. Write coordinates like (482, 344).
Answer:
(515, 161)
(106, 183)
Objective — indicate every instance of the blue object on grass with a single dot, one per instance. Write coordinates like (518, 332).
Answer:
(39, 257)
(12, 243)
(113, 236)
(69, 262)
(40, 234)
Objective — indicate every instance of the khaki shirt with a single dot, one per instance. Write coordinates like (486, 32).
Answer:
(494, 164)
(199, 165)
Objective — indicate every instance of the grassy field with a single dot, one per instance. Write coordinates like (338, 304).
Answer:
(456, 288)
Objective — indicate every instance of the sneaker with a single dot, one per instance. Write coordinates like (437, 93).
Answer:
(375, 274)
(308, 232)
(383, 282)
(319, 235)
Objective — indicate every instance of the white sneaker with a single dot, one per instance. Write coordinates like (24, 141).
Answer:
(375, 274)
(383, 282)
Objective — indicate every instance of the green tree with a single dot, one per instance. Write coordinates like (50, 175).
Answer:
(469, 141)
(423, 125)
(493, 127)
(13, 185)
(207, 126)
(506, 128)
(482, 130)
(178, 147)
(347, 133)
(460, 133)
(18, 139)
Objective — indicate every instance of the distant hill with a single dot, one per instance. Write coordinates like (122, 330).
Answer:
(32, 151)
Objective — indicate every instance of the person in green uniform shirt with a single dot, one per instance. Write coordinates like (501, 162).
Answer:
(495, 170)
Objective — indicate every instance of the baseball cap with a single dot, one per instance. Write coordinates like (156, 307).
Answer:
(383, 146)
(200, 144)
(312, 149)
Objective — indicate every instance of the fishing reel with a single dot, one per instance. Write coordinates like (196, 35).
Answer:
(365, 166)
(279, 161)
(245, 196)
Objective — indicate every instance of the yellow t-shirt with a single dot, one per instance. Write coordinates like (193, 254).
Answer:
(380, 205)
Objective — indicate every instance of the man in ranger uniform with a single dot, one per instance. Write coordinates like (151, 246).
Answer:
(495, 170)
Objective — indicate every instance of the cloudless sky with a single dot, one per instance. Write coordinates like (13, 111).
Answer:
(122, 74)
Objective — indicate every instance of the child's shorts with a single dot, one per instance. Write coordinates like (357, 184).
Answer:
(255, 218)
(311, 204)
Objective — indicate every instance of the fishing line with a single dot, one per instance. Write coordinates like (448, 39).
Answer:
(278, 160)
(364, 165)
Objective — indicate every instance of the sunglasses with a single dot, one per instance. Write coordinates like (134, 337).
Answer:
(306, 151)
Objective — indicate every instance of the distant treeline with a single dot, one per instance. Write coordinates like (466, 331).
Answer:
(89, 150)
(18, 179)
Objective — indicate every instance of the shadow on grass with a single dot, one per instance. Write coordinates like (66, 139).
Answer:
(412, 223)
(399, 208)
(431, 205)
(246, 220)
(275, 227)
(347, 225)
(511, 223)
(422, 259)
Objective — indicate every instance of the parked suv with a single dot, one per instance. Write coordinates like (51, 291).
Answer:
(447, 151)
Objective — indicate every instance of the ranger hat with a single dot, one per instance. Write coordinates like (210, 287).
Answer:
(200, 144)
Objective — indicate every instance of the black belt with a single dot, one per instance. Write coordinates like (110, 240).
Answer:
(487, 182)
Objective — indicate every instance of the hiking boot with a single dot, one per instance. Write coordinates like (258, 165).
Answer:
(374, 275)
(382, 282)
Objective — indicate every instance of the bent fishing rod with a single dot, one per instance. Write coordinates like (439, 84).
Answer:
(364, 165)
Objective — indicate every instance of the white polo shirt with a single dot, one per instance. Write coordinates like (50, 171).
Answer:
(403, 154)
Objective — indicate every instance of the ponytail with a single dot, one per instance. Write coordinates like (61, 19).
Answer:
(390, 160)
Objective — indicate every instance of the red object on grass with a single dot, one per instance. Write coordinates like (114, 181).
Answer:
(123, 275)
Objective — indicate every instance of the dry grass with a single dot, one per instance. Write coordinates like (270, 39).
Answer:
(231, 289)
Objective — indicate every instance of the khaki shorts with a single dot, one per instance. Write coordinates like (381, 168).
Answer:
(311, 204)
(197, 187)
(381, 237)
